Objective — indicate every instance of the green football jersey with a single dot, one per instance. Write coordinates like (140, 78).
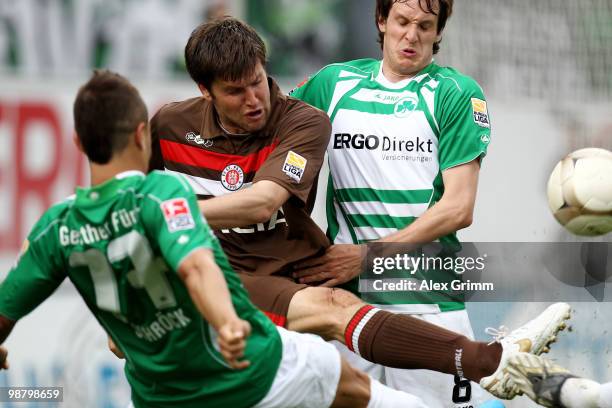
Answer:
(390, 143)
(121, 243)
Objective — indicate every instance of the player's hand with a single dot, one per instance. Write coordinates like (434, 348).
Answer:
(113, 347)
(339, 264)
(3, 361)
(232, 342)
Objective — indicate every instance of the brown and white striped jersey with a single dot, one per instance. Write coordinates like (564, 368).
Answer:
(289, 151)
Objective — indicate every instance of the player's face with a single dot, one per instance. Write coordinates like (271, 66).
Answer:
(243, 105)
(410, 34)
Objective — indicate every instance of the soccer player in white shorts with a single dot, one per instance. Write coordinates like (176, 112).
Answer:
(408, 137)
(312, 374)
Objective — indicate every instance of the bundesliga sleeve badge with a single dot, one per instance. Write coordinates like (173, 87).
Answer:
(177, 214)
(481, 115)
(294, 166)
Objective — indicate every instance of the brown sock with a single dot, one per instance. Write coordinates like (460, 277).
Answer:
(403, 341)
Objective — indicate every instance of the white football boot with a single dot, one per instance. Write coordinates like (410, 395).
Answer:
(540, 379)
(533, 337)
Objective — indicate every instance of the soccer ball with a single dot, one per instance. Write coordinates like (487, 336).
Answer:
(580, 192)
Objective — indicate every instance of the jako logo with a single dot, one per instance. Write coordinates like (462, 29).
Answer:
(373, 142)
(405, 106)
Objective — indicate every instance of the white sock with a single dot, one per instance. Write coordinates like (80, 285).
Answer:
(605, 396)
(382, 396)
(580, 393)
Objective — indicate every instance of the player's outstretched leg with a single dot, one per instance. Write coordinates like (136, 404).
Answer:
(402, 341)
(551, 385)
(312, 374)
(356, 389)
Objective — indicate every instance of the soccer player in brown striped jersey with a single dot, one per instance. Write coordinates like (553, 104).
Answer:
(253, 156)
(159, 283)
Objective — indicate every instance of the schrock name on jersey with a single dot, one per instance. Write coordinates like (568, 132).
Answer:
(386, 143)
(162, 325)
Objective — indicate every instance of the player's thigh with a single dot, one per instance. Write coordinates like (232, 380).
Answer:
(271, 294)
(308, 375)
(436, 389)
(323, 311)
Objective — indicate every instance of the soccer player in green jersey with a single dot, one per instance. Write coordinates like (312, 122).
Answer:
(253, 155)
(407, 140)
(154, 276)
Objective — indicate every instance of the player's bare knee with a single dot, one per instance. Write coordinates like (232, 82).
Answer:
(343, 298)
(322, 311)
(313, 310)
(346, 305)
(343, 305)
(335, 321)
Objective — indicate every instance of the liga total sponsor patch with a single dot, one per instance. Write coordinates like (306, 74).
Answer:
(177, 214)
(481, 115)
(294, 166)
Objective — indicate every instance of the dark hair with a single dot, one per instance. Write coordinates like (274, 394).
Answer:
(107, 109)
(227, 48)
(383, 7)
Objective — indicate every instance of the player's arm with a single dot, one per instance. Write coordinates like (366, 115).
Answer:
(342, 262)
(463, 140)
(6, 326)
(304, 133)
(208, 290)
(30, 282)
(249, 206)
(171, 217)
(453, 212)
(114, 348)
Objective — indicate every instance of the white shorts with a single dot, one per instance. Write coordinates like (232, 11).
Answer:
(308, 374)
(437, 390)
